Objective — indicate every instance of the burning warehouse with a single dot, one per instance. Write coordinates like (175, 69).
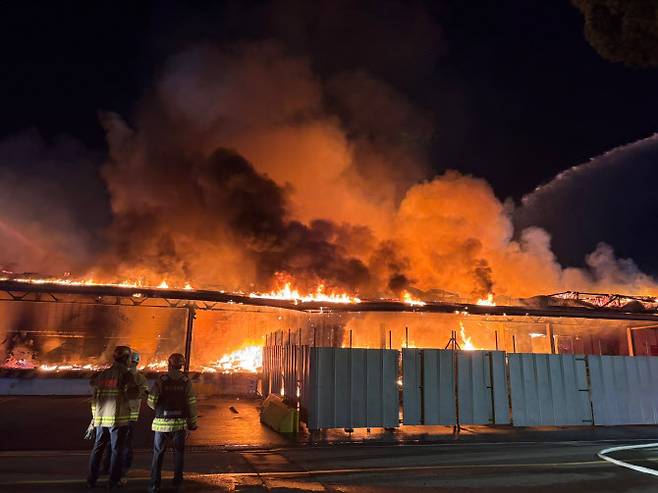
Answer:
(58, 329)
(51, 326)
(281, 204)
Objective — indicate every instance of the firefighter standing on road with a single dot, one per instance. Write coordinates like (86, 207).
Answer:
(135, 406)
(110, 410)
(174, 403)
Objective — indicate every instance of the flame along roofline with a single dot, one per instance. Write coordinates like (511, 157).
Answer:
(18, 290)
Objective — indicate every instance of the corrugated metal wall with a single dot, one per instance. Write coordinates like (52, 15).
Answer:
(624, 389)
(482, 388)
(352, 388)
(335, 387)
(549, 390)
(428, 387)
(431, 376)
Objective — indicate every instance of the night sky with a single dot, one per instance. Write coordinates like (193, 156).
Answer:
(514, 91)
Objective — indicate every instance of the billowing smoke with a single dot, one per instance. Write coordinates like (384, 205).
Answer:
(235, 172)
(610, 199)
(243, 163)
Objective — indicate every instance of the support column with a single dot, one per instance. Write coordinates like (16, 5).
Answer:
(549, 334)
(631, 343)
(191, 315)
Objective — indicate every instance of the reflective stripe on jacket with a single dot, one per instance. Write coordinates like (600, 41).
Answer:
(173, 424)
(136, 404)
(112, 388)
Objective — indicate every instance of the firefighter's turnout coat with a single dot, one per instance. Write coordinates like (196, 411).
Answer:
(174, 402)
(142, 386)
(112, 390)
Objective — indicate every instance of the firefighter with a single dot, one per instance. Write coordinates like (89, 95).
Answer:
(135, 406)
(174, 403)
(110, 410)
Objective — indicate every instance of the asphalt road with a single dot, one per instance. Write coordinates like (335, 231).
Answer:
(233, 452)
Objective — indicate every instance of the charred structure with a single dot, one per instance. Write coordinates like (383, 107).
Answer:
(65, 327)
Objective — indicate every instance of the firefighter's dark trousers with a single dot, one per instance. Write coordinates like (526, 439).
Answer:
(116, 436)
(160, 443)
(126, 455)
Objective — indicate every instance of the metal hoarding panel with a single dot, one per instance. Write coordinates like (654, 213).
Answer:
(324, 379)
(647, 378)
(428, 393)
(352, 388)
(474, 399)
(501, 403)
(411, 386)
(438, 387)
(481, 389)
(548, 390)
(356, 399)
(390, 404)
(623, 389)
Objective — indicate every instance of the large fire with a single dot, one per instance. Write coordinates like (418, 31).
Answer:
(249, 359)
(285, 290)
(67, 281)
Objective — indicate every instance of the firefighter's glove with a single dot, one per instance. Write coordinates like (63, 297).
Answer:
(90, 434)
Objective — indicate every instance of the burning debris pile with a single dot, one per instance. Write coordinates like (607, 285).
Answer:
(246, 360)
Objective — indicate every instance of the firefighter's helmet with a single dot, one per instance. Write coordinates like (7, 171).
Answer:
(177, 361)
(121, 354)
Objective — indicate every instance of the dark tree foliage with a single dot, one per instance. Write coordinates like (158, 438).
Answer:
(622, 30)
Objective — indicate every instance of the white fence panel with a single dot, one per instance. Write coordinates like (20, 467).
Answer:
(481, 387)
(428, 392)
(549, 390)
(624, 389)
(352, 388)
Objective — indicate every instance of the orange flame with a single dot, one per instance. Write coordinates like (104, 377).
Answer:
(248, 359)
(66, 281)
(488, 301)
(410, 300)
(467, 343)
(288, 292)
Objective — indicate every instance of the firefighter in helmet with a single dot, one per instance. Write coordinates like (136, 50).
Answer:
(174, 403)
(110, 409)
(135, 406)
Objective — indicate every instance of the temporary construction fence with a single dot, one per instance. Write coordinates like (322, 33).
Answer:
(549, 389)
(448, 387)
(351, 388)
(624, 389)
(354, 387)
(335, 387)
